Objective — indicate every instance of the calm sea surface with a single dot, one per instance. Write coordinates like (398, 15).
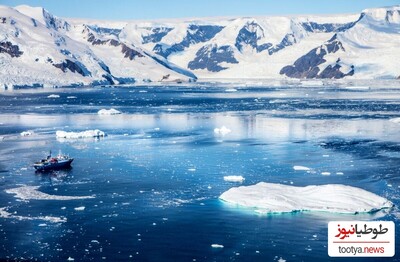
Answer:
(156, 178)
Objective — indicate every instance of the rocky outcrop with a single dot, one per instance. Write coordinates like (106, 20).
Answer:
(195, 34)
(74, 67)
(314, 27)
(209, 57)
(9, 48)
(307, 66)
(129, 52)
(157, 33)
(250, 34)
(333, 72)
(288, 40)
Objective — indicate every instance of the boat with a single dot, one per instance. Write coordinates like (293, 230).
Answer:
(53, 163)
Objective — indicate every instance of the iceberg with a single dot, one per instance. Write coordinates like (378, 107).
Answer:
(234, 178)
(53, 96)
(279, 198)
(84, 134)
(32, 192)
(109, 112)
(222, 131)
(395, 120)
(26, 133)
(301, 168)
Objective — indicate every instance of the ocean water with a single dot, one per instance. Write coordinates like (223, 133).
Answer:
(154, 181)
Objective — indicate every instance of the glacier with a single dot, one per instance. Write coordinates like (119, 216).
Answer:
(280, 198)
(38, 49)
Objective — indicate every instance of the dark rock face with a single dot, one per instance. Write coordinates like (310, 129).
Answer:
(307, 65)
(288, 40)
(34, 22)
(157, 34)
(104, 67)
(209, 57)
(9, 48)
(129, 52)
(74, 67)
(326, 27)
(109, 79)
(248, 36)
(333, 72)
(104, 30)
(195, 34)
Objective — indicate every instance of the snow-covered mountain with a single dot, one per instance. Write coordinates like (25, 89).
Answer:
(38, 48)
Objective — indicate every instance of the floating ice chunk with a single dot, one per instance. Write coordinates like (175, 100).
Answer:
(312, 83)
(234, 178)
(79, 208)
(222, 131)
(231, 90)
(326, 173)
(357, 87)
(84, 134)
(192, 169)
(32, 192)
(70, 259)
(339, 173)
(71, 97)
(111, 111)
(53, 96)
(5, 214)
(278, 198)
(217, 246)
(26, 133)
(281, 260)
(395, 120)
(301, 168)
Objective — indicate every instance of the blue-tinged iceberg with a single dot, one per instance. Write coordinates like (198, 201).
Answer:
(278, 198)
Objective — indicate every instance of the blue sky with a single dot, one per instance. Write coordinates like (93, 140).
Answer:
(154, 9)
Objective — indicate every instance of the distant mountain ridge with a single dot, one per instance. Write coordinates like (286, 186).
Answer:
(40, 49)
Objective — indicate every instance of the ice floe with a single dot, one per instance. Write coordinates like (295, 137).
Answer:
(5, 214)
(109, 112)
(279, 198)
(217, 246)
(234, 178)
(222, 131)
(32, 193)
(26, 133)
(301, 168)
(83, 134)
(53, 96)
(395, 120)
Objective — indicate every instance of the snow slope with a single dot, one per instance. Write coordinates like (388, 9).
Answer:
(37, 48)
